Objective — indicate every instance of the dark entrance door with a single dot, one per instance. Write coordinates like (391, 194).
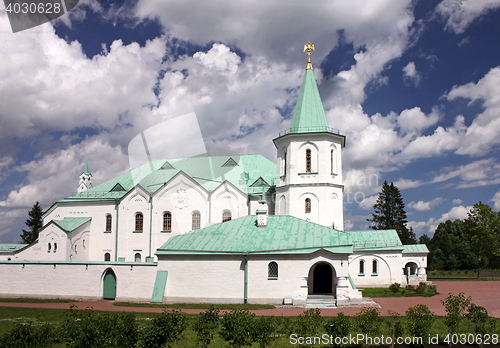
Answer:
(322, 279)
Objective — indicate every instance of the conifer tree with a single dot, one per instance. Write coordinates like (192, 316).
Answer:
(390, 213)
(34, 223)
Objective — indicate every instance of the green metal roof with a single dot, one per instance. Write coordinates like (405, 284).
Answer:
(283, 234)
(11, 247)
(71, 224)
(208, 172)
(309, 115)
(86, 170)
(375, 239)
(415, 248)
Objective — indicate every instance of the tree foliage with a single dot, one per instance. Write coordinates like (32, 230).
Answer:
(390, 213)
(166, 329)
(419, 321)
(206, 324)
(456, 308)
(34, 224)
(483, 225)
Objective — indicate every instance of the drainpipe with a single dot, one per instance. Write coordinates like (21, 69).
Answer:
(245, 292)
(150, 223)
(210, 207)
(117, 207)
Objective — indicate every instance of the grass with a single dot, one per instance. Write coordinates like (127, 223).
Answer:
(194, 305)
(384, 292)
(36, 300)
(9, 317)
(458, 278)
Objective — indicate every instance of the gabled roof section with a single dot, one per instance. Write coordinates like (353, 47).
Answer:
(376, 239)
(283, 234)
(208, 172)
(71, 224)
(117, 187)
(415, 248)
(166, 166)
(260, 183)
(230, 163)
(11, 248)
(309, 115)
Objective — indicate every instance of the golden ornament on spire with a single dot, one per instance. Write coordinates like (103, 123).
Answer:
(309, 47)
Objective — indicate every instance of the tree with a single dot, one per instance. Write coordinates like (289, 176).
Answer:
(483, 229)
(34, 223)
(423, 239)
(390, 213)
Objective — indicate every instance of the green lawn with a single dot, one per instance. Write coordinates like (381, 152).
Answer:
(194, 305)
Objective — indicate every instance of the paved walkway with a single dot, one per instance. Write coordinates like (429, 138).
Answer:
(484, 293)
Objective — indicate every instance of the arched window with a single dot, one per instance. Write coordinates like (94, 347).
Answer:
(284, 164)
(226, 216)
(272, 270)
(196, 220)
(167, 221)
(308, 161)
(48, 247)
(374, 267)
(361, 267)
(137, 257)
(139, 222)
(308, 205)
(107, 257)
(331, 161)
(108, 223)
(55, 247)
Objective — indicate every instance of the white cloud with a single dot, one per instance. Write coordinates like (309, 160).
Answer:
(423, 206)
(478, 173)
(458, 212)
(482, 134)
(368, 202)
(456, 201)
(459, 14)
(406, 183)
(496, 201)
(410, 73)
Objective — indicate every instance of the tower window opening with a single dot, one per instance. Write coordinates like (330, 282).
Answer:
(308, 205)
(308, 161)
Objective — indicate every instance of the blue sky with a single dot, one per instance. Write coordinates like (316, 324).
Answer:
(414, 86)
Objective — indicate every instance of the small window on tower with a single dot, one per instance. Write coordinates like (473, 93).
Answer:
(108, 223)
(196, 220)
(139, 220)
(308, 205)
(167, 221)
(308, 161)
(226, 216)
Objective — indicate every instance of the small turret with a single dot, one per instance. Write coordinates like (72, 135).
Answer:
(262, 215)
(85, 179)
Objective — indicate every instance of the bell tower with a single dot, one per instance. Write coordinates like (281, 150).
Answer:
(309, 182)
(85, 180)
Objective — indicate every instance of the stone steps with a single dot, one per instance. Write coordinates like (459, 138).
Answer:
(321, 301)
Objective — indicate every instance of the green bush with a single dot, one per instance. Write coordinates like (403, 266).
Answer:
(206, 324)
(479, 316)
(88, 329)
(394, 287)
(455, 307)
(265, 330)
(367, 321)
(419, 321)
(238, 327)
(308, 323)
(28, 336)
(338, 326)
(165, 330)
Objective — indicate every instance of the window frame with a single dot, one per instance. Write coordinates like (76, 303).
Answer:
(374, 267)
(109, 256)
(109, 223)
(362, 267)
(308, 161)
(225, 217)
(139, 222)
(135, 257)
(272, 270)
(195, 220)
(308, 205)
(167, 222)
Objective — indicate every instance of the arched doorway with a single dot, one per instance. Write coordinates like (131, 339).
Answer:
(109, 285)
(411, 269)
(321, 279)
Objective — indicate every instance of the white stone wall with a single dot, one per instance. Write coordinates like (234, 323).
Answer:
(388, 264)
(221, 278)
(75, 280)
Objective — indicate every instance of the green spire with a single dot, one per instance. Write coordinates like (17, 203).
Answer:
(309, 115)
(86, 170)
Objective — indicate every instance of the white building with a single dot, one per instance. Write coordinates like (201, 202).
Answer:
(215, 229)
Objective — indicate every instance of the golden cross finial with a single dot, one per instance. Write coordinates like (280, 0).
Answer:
(309, 47)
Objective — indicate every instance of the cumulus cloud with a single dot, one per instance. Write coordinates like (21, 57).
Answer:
(459, 14)
(456, 201)
(368, 202)
(423, 206)
(478, 173)
(411, 74)
(458, 212)
(496, 201)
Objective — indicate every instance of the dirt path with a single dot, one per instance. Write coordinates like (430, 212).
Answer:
(484, 293)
